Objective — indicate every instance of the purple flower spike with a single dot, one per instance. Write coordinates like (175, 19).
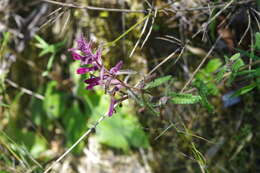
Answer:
(102, 77)
(111, 107)
(84, 46)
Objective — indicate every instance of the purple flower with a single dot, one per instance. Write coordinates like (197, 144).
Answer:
(112, 106)
(75, 55)
(83, 70)
(106, 78)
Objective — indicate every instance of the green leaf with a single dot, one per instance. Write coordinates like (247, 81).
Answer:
(235, 57)
(41, 43)
(157, 82)
(6, 38)
(204, 93)
(4, 105)
(213, 65)
(244, 90)
(237, 65)
(249, 54)
(50, 62)
(120, 131)
(54, 101)
(220, 74)
(46, 47)
(156, 27)
(74, 121)
(184, 98)
(257, 40)
(112, 133)
(147, 104)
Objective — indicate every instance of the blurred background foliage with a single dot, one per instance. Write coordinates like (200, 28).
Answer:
(212, 125)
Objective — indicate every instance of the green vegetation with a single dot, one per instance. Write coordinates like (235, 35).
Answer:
(186, 98)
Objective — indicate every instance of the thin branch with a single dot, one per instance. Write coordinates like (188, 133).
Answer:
(76, 143)
(94, 8)
(216, 6)
(29, 92)
(247, 29)
(165, 60)
(200, 65)
(166, 129)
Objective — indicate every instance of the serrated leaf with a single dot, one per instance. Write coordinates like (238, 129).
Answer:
(157, 82)
(204, 92)
(220, 74)
(149, 105)
(184, 98)
(244, 90)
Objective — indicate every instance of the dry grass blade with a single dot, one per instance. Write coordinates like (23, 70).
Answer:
(70, 5)
(200, 65)
(169, 40)
(257, 21)
(150, 30)
(204, 27)
(52, 20)
(167, 128)
(67, 13)
(216, 6)
(148, 3)
(174, 38)
(247, 29)
(165, 60)
(55, 11)
(142, 32)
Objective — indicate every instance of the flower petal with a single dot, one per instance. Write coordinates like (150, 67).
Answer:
(83, 70)
(75, 55)
(111, 107)
(115, 69)
(92, 80)
(83, 45)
